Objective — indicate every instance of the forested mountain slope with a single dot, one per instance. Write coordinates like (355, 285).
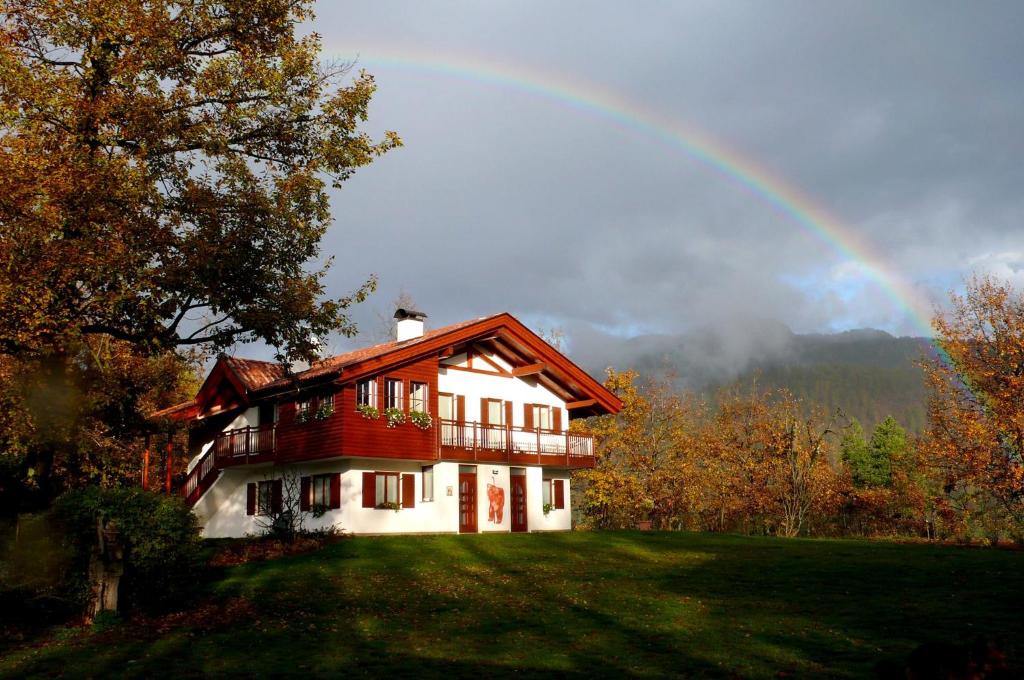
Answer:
(868, 374)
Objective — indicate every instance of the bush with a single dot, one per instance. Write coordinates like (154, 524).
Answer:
(160, 535)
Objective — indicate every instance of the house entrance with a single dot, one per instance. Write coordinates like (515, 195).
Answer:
(467, 499)
(518, 499)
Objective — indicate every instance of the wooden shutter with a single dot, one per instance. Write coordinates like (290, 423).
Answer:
(250, 498)
(559, 494)
(528, 416)
(408, 491)
(460, 408)
(335, 491)
(305, 500)
(485, 413)
(556, 419)
(369, 490)
(276, 497)
(508, 414)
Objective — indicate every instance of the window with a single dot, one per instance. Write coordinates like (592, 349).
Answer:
(418, 397)
(325, 406)
(393, 393)
(268, 413)
(541, 417)
(547, 492)
(445, 406)
(428, 482)
(366, 393)
(387, 488)
(495, 413)
(320, 488)
(265, 497)
(302, 411)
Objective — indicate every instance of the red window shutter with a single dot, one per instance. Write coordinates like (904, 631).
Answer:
(556, 419)
(508, 414)
(527, 416)
(305, 497)
(485, 413)
(277, 497)
(369, 489)
(335, 491)
(559, 494)
(408, 491)
(250, 498)
(460, 408)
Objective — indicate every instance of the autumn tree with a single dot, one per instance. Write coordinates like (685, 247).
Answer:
(164, 169)
(642, 455)
(975, 433)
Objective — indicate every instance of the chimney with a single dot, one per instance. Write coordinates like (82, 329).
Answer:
(409, 324)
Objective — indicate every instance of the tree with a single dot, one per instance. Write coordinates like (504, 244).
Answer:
(163, 168)
(975, 435)
(642, 454)
(385, 330)
(853, 449)
(889, 449)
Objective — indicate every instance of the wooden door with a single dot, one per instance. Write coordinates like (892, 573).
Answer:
(519, 503)
(467, 503)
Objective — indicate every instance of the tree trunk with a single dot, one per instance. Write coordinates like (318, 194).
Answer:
(105, 568)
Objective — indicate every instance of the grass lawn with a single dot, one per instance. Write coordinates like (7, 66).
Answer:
(579, 604)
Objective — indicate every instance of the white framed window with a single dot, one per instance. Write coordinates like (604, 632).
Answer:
(387, 488)
(393, 393)
(366, 393)
(446, 406)
(418, 396)
(325, 406)
(320, 491)
(548, 496)
(428, 482)
(265, 498)
(542, 417)
(302, 411)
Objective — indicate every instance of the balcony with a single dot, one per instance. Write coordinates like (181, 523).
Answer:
(478, 442)
(245, 445)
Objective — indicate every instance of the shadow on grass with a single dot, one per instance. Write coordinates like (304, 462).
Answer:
(576, 605)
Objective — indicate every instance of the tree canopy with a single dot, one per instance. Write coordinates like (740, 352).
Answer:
(164, 170)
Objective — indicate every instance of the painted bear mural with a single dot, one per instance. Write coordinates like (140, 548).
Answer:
(496, 508)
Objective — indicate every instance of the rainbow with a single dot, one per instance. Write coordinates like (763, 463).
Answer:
(727, 162)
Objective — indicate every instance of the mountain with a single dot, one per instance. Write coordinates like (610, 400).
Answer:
(868, 374)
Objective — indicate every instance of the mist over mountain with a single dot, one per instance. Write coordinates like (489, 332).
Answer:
(866, 373)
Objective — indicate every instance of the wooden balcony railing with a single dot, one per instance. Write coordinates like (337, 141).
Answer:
(511, 444)
(199, 478)
(245, 445)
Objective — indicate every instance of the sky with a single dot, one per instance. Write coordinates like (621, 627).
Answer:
(902, 121)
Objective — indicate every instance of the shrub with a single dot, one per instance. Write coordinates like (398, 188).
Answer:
(159, 533)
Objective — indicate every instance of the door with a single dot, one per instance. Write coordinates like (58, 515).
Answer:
(519, 503)
(467, 503)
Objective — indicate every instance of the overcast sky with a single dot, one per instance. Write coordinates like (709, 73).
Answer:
(904, 122)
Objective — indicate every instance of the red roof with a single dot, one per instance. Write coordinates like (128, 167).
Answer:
(260, 376)
(256, 374)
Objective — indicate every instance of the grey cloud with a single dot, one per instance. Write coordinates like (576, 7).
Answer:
(903, 120)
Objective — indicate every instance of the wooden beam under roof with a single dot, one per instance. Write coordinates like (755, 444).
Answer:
(530, 369)
(582, 403)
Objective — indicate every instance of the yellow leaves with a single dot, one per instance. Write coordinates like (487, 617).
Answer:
(976, 406)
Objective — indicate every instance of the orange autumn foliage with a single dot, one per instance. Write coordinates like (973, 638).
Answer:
(975, 436)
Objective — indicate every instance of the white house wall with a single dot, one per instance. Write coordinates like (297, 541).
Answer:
(476, 386)
(222, 509)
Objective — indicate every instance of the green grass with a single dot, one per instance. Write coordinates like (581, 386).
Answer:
(581, 604)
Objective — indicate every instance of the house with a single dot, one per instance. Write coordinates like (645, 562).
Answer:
(458, 429)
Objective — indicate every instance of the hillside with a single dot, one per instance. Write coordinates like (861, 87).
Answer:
(868, 374)
(575, 605)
